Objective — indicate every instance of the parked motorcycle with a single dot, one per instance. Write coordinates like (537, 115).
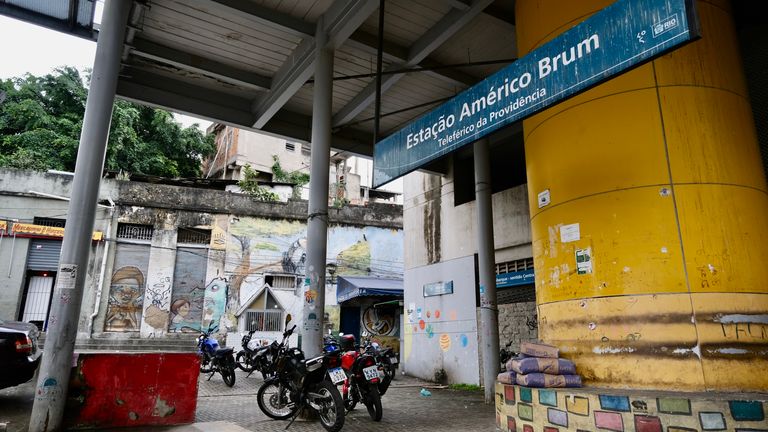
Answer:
(214, 358)
(387, 361)
(303, 383)
(362, 378)
(257, 358)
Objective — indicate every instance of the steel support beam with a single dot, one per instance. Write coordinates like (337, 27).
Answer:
(339, 22)
(54, 374)
(436, 36)
(489, 312)
(189, 62)
(147, 88)
(317, 220)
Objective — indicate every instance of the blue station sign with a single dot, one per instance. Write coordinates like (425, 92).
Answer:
(523, 277)
(621, 36)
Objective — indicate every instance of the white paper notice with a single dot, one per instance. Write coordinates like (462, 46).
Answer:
(66, 277)
(569, 233)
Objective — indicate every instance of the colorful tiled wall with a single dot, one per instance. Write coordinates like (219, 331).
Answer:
(551, 410)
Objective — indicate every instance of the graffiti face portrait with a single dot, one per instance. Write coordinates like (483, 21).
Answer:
(125, 299)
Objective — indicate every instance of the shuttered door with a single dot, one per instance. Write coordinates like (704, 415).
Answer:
(38, 300)
(44, 255)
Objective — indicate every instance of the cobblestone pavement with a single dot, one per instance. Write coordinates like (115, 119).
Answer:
(224, 409)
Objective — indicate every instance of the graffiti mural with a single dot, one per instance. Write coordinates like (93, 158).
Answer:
(126, 294)
(258, 245)
(126, 290)
(215, 303)
(188, 295)
(381, 321)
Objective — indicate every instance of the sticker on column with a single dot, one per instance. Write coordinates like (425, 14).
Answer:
(544, 198)
(584, 260)
(570, 233)
(66, 277)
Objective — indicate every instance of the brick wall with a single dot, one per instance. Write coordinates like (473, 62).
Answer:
(517, 323)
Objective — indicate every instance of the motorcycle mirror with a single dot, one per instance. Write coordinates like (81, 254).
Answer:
(288, 318)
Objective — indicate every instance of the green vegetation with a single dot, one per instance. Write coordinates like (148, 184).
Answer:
(466, 387)
(298, 178)
(41, 119)
(250, 185)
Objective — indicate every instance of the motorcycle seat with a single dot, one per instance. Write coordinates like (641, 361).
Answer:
(223, 352)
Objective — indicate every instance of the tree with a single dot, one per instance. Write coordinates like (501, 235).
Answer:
(298, 178)
(41, 119)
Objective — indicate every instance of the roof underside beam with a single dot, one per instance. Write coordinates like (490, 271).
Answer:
(185, 61)
(151, 89)
(339, 22)
(449, 25)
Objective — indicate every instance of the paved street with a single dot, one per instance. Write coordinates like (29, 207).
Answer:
(225, 409)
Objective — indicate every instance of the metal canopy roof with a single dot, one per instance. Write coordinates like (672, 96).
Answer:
(249, 63)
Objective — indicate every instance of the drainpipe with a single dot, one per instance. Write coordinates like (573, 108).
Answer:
(100, 284)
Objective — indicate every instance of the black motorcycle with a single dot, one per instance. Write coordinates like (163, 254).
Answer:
(301, 383)
(388, 361)
(259, 358)
(214, 358)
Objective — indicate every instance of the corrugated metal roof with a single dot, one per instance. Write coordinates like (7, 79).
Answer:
(249, 63)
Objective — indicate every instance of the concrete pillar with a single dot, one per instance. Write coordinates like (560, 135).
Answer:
(650, 258)
(486, 260)
(317, 220)
(53, 382)
(155, 316)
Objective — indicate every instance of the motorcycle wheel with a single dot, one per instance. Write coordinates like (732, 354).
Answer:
(385, 382)
(350, 401)
(274, 405)
(372, 401)
(228, 373)
(243, 362)
(331, 410)
(206, 366)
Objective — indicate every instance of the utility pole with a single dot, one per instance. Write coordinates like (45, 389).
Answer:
(53, 381)
(317, 220)
(489, 312)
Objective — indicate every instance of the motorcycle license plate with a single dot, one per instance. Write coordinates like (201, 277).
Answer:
(393, 360)
(337, 375)
(371, 372)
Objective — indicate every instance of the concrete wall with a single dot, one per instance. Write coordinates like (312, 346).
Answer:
(440, 237)
(518, 322)
(248, 239)
(441, 331)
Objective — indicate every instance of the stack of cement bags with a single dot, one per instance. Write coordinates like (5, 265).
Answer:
(538, 365)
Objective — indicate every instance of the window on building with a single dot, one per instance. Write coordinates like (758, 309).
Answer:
(194, 236)
(50, 222)
(305, 151)
(289, 146)
(513, 266)
(127, 231)
(280, 281)
(264, 320)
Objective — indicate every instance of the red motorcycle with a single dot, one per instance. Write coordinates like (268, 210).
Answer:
(362, 380)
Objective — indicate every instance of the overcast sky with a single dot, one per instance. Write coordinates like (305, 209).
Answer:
(34, 49)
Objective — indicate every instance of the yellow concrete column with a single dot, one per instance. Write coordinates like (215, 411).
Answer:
(656, 177)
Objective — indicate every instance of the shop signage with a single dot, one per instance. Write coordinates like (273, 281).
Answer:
(3, 226)
(621, 36)
(438, 288)
(510, 279)
(21, 229)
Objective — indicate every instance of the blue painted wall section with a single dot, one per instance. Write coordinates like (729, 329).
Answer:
(621, 36)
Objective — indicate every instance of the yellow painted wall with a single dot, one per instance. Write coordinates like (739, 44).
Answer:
(661, 171)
